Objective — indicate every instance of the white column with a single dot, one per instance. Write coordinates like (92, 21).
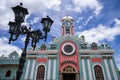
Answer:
(78, 77)
(49, 69)
(54, 70)
(89, 69)
(27, 70)
(83, 67)
(32, 70)
(113, 70)
(60, 76)
(107, 70)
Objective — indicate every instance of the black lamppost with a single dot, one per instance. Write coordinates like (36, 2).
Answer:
(16, 29)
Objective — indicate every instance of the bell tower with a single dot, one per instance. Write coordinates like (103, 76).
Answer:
(67, 25)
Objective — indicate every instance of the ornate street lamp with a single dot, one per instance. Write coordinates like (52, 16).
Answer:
(46, 23)
(16, 29)
(20, 13)
(12, 31)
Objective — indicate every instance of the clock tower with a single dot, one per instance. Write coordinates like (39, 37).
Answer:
(67, 25)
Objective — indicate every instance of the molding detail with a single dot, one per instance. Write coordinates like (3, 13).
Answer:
(96, 51)
(67, 37)
(42, 52)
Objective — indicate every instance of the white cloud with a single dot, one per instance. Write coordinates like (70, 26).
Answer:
(101, 32)
(35, 20)
(89, 18)
(5, 14)
(83, 21)
(7, 48)
(79, 27)
(79, 19)
(81, 5)
(56, 30)
(22, 40)
(40, 6)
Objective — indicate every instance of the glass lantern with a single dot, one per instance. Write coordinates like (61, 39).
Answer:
(47, 22)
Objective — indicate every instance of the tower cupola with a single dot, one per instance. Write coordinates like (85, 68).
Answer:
(67, 25)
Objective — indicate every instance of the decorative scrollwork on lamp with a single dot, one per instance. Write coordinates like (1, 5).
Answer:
(16, 29)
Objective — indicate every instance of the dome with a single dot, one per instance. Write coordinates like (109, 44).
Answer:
(67, 18)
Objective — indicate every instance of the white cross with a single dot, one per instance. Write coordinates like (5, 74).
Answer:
(104, 45)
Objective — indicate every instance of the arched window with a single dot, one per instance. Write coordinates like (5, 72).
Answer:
(40, 73)
(8, 73)
(98, 73)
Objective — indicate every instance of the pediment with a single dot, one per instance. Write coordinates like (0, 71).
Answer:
(68, 38)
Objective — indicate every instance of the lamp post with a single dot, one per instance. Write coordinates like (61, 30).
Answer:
(16, 29)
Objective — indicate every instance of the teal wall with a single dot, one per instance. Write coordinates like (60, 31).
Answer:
(57, 43)
(4, 69)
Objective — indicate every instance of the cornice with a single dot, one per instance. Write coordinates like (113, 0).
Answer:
(96, 51)
(43, 52)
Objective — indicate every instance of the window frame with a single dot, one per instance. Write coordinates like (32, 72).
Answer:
(37, 71)
(102, 73)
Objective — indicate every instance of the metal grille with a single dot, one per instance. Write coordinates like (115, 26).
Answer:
(98, 73)
(40, 72)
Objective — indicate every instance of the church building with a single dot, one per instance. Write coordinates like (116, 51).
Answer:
(66, 58)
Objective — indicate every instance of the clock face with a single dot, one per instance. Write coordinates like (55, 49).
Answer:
(68, 48)
(67, 23)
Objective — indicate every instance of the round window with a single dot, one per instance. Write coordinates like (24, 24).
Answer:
(68, 48)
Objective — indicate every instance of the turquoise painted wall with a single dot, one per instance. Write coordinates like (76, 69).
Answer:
(4, 69)
(58, 42)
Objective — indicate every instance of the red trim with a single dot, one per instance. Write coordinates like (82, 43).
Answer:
(44, 60)
(96, 60)
(72, 30)
(62, 30)
(69, 65)
(73, 58)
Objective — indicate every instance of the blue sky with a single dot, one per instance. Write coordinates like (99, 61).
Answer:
(97, 20)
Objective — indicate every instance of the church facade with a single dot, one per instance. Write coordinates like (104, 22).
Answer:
(67, 58)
